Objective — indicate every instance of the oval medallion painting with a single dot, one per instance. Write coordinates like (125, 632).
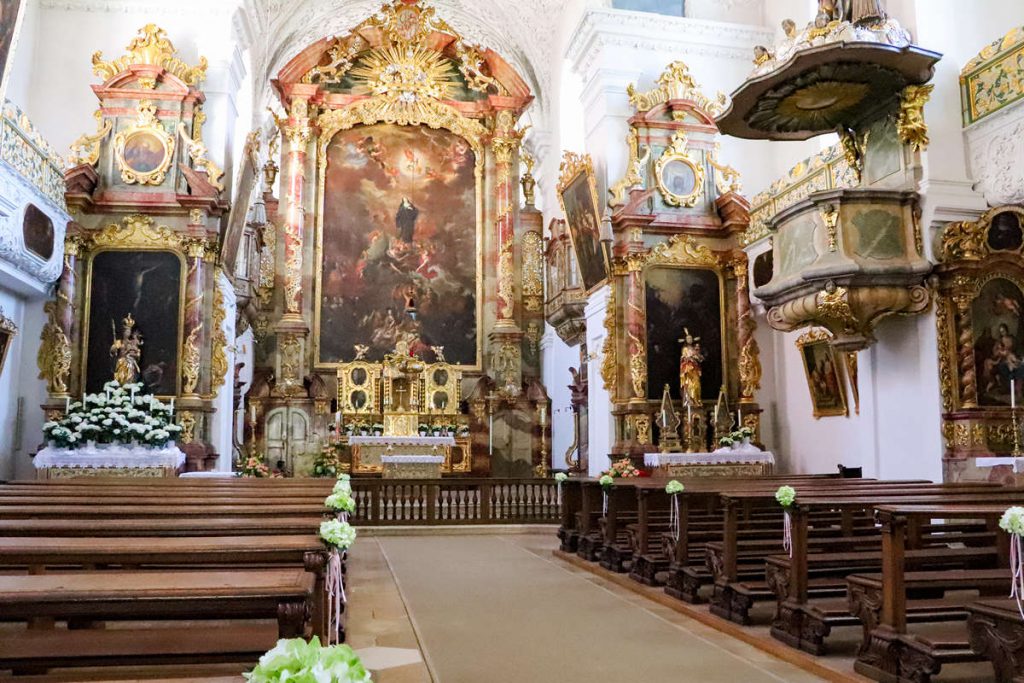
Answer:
(679, 179)
(144, 152)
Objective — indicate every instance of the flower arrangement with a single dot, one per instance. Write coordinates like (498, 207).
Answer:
(297, 661)
(424, 429)
(340, 535)
(623, 468)
(606, 481)
(561, 476)
(253, 467)
(1012, 521)
(341, 502)
(377, 428)
(736, 437)
(328, 461)
(785, 495)
(120, 415)
(674, 487)
(343, 485)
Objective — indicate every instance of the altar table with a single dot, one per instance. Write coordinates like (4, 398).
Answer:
(412, 466)
(112, 461)
(720, 464)
(367, 451)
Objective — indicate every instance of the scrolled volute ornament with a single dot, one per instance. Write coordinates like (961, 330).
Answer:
(964, 241)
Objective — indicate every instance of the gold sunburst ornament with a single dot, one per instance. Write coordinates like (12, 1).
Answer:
(404, 74)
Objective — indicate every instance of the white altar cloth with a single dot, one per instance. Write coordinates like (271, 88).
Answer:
(721, 458)
(412, 459)
(210, 474)
(112, 456)
(401, 440)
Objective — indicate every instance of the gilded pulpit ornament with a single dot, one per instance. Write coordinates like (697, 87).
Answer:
(911, 125)
(126, 351)
(690, 358)
(750, 369)
(144, 150)
(54, 356)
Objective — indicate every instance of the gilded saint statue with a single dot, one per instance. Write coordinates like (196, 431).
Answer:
(690, 359)
(54, 357)
(127, 350)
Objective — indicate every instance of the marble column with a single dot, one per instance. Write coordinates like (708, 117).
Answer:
(67, 295)
(506, 195)
(195, 286)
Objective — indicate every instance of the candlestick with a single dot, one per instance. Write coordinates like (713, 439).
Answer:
(252, 412)
(1016, 435)
(739, 417)
(664, 418)
(67, 405)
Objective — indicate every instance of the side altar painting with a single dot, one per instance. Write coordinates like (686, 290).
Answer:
(998, 319)
(399, 244)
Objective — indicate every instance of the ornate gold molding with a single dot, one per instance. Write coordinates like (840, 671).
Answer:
(146, 123)
(750, 368)
(609, 366)
(218, 357)
(190, 361)
(683, 250)
(152, 47)
(197, 150)
(968, 240)
(86, 148)
(634, 170)
(676, 83)
(676, 153)
(54, 356)
(137, 231)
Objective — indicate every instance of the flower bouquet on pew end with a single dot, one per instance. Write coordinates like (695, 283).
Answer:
(297, 661)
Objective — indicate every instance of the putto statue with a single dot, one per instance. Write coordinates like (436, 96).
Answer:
(690, 358)
(127, 350)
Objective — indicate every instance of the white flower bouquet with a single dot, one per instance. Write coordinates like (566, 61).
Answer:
(120, 415)
(298, 661)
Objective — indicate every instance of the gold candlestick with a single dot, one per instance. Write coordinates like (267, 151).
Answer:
(1016, 434)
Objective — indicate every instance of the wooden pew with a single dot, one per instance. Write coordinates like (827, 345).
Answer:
(892, 650)
(163, 527)
(996, 630)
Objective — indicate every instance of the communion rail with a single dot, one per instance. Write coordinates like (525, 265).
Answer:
(406, 502)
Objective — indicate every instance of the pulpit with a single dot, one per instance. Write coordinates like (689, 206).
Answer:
(403, 409)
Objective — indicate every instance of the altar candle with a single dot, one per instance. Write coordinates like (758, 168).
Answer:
(133, 395)
(67, 405)
(252, 413)
(490, 434)
(1013, 395)
(664, 419)
(172, 406)
(739, 417)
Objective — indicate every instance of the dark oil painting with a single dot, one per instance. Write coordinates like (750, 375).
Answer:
(146, 284)
(679, 299)
(996, 316)
(399, 244)
(584, 222)
(37, 231)
(828, 393)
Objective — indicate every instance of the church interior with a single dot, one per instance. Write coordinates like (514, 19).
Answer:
(529, 340)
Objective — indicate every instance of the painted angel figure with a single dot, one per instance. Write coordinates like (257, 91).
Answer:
(690, 358)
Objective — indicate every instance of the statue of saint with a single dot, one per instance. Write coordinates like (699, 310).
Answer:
(127, 350)
(690, 359)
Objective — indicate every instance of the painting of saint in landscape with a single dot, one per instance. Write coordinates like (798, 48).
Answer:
(828, 393)
(399, 244)
(680, 299)
(146, 284)
(144, 152)
(998, 342)
(584, 223)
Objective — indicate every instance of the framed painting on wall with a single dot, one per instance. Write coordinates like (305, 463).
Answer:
(577, 193)
(824, 376)
(997, 319)
(11, 14)
(148, 285)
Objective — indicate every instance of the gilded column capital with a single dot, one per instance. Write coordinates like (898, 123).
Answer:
(73, 245)
(195, 247)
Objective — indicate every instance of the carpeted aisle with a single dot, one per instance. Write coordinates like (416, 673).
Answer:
(490, 609)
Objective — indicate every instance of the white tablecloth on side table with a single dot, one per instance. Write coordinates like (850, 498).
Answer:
(661, 459)
(401, 440)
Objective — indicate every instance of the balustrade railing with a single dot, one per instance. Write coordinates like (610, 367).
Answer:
(403, 502)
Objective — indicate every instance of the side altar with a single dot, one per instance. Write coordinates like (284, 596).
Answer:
(401, 408)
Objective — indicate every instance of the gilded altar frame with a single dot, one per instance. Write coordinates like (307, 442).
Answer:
(971, 427)
(147, 123)
(677, 153)
(136, 233)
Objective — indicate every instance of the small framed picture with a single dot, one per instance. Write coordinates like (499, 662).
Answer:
(824, 375)
(7, 331)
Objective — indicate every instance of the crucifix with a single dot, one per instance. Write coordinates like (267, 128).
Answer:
(401, 391)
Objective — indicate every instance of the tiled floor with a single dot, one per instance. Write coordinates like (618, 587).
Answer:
(490, 609)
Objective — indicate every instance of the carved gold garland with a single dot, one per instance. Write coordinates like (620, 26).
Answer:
(146, 123)
(676, 153)
(54, 356)
(968, 240)
(609, 369)
(676, 83)
(86, 148)
(151, 47)
(218, 356)
(634, 170)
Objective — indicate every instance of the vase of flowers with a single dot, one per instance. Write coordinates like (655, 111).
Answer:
(378, 429)
(424, 429)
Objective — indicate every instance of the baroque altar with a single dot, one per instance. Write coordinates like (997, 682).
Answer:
(400, 220)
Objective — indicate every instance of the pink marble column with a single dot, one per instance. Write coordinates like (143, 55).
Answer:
(191, 352)
(298, 135)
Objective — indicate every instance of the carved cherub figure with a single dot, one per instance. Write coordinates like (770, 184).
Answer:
(789, 28)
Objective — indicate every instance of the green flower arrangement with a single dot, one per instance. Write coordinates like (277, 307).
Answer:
(561, 476)
(296, 661)
(1012, 521)
(674, 487)
(606, 481)
(340, 535)
(122, 414)
(785, 495)
(341, 502)
(343, 485)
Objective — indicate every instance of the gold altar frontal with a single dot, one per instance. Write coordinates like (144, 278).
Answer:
(708, 465)
(121, 472)
(710, 471)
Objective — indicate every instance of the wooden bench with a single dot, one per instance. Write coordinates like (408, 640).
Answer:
(885, 605)
(996, 630)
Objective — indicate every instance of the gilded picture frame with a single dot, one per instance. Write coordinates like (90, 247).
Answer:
(349, 384)
(668, 181)
(577, 195)
(8, 330)
(144, 150)
(825, 381)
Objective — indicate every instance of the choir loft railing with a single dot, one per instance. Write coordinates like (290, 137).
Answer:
(403, 502)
